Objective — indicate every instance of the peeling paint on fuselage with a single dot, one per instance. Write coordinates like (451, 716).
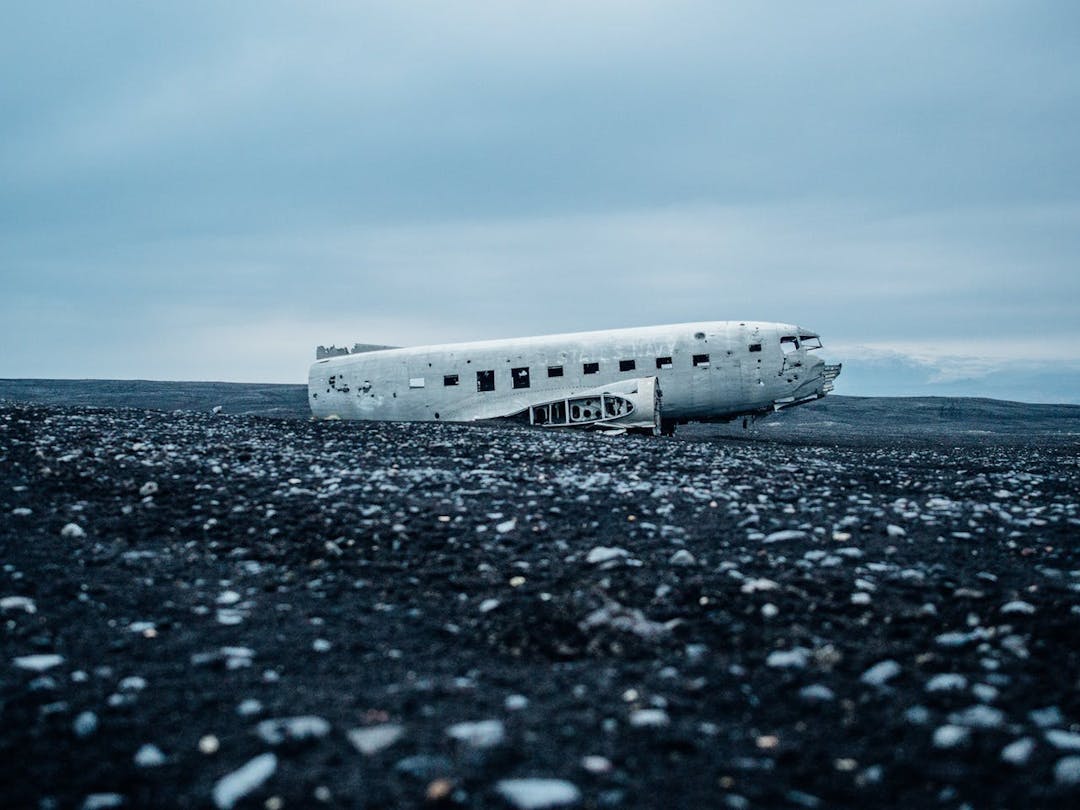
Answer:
(409, 384)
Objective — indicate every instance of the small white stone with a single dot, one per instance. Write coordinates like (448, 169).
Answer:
(860, 598)
(506, 526)
(596, 764)
(38, 663)
(1017, 607)
(149, 488)
(238, 784)
(320, 645)
(1065, 740)
(946, 682)
(1067, 771)
(951, 736)
(817, 692)
(489, 605)
(85, 724)
(649, 718)
(769, 610)
(481, 734)
(514, 703)
(373, 739)
(1018, 752)
(603, 554)
(894, 531)
(149, 756)
(1047, 717)
(102, 801)
(788, 534)
(682, 557)
(228, 598)
(23, 603)
(796, 658)
(249, 707)
(978, 716)
(305, 727)
(209, 744)
(881, 673)
(22, 511)
(755, 585)
(537, 794)
(72, 531)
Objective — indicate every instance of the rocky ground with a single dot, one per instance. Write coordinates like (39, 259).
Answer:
(209, 610)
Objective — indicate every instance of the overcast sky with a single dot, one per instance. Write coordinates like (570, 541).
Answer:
(207, 191)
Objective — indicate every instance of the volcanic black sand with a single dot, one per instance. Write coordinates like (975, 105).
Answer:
(228, 610)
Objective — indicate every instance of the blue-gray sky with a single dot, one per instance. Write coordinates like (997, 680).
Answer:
(207, 190)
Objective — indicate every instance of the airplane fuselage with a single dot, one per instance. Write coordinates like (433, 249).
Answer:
(715, 370)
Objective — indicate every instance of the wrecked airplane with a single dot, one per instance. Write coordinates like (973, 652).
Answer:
(644, 379)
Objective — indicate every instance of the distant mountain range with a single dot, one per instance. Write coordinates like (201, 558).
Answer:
(1014, 380)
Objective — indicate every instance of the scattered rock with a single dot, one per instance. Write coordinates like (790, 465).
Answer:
(947, 682)
(537, 794)
(86, 723)
(481, 734)
(244, 781)
(627, 620)
(149, 756)
(603, 554)
(682, 557)
(951, 736)
(38, 663)
(796, 658)
(881, 673)
(1047, 717)
(817, 692)
(1063, 740)
(1018, 752)
(1067, 771)
(978, 716)
(788, 534)
(373, 739)
(306, 728)
(23, 603)
(649, 718)
(102, 801)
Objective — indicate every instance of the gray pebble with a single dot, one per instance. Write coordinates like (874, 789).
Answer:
(1018, 752)
(1067, 771)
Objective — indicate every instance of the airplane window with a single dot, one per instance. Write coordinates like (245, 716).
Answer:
(788, 344)
(485, 381)
(591, 368)
(520, 376)
(450, 379)
(701, 360)
(554, 371)
(663, 362)
(810, 342)
(755, 347)
(627, 365)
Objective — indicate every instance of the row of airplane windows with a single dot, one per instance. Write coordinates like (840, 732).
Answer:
(521, 377)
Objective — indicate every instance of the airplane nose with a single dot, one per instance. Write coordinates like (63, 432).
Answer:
(813, 382)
